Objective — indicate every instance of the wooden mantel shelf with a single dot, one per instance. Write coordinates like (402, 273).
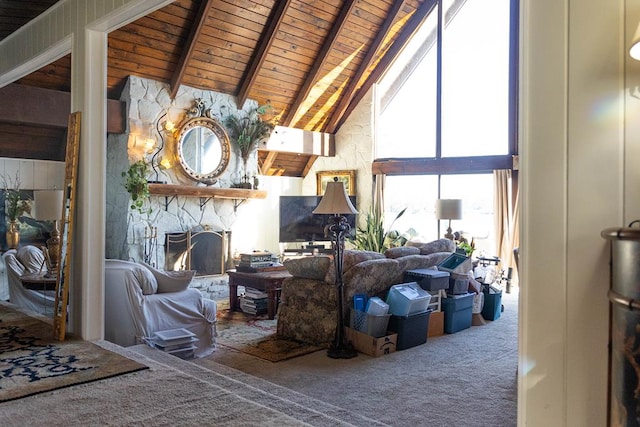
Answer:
(207, 193)
(194, 191)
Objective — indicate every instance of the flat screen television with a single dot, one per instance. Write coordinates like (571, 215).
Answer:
(299, 224)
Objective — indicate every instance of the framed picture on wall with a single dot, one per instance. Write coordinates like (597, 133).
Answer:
(348, 177)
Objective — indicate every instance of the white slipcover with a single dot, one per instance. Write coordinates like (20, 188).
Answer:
(132, 317)
(27, 259)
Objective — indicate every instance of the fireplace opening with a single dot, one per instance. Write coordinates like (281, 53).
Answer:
(206, 252)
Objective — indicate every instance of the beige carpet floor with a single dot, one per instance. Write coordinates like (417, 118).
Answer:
(464, 379)
(173, 392)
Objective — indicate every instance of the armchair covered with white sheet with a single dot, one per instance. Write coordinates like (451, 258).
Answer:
(141, 300)
(27, 259)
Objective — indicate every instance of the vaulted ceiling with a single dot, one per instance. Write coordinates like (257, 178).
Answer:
(312, 60)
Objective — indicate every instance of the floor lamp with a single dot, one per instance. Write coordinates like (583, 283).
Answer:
(48, 207)
(448, 209)
(335, 202)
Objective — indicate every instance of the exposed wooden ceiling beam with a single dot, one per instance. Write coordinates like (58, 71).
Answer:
(187, 52)
(268, 162)
(264, 46)
(321, 58)
(308, 166)
(48, 107)
(433, 166)
(407, 31)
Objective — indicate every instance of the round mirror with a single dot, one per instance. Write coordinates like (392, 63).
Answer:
(203, 149)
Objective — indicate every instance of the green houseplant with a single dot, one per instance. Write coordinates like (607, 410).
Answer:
(15, 204)
(373, 237)
(136, 183)
(15, 207)
(248, 130)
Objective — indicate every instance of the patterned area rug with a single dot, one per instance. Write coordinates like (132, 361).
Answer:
(256, 335)
(32, 362)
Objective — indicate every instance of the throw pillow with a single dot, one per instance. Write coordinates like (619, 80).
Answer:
(145, 279)
(440, 245)
(401, 251)
(311, 267)
(172, 281)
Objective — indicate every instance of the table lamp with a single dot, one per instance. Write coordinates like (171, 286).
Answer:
(48, 207)
(448, 209)
(335, 202)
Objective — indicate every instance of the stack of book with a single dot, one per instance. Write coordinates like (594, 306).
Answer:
(256, 261)
(253, 301)
(178, 342)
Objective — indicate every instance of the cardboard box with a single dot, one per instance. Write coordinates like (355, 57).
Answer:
(372, 346)
(436, 324)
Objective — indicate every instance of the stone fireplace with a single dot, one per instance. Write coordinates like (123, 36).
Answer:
(136, 236)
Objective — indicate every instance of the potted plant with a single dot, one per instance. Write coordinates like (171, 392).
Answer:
(137, 185)
(247, 131)
(15, 207)
(373, 236)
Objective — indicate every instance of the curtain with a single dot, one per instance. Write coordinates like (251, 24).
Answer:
(505, 218)
(378, 194)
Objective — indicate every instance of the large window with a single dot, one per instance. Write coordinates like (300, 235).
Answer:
(449, 95)
(474, 96)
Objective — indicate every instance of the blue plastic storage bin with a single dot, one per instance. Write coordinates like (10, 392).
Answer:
(457, 312)
(492, 306)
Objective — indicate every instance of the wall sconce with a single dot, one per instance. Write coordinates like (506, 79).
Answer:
(165, 164)
(161, 127)
(448, 209)
(634, 50)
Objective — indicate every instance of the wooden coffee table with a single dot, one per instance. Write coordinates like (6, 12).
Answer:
(268, 281)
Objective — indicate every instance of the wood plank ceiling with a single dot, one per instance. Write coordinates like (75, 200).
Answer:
(312, 60)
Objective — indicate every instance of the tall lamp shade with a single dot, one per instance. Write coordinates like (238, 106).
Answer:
(448, 209)
(336, 203)
(48, 207)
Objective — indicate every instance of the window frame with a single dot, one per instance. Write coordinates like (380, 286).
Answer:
(475, 164)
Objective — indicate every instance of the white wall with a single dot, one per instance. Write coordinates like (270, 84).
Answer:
(33, 174)
(573, 142)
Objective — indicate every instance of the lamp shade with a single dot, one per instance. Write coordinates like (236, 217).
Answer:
(335, 200)
(47, 205)
(634, 50)
(448, 209)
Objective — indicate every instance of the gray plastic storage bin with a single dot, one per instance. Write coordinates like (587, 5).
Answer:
(428, 279)
(412, 330)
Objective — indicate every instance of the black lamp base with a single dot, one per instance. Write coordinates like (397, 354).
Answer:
(344, 351)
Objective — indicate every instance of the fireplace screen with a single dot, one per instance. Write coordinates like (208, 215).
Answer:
(203, 251)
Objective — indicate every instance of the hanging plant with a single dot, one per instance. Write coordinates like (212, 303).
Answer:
(137, 185)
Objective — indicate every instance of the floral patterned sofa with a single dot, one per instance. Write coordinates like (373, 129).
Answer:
(307, 310)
